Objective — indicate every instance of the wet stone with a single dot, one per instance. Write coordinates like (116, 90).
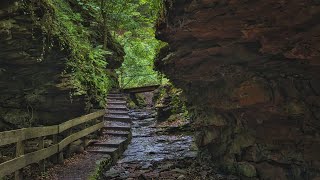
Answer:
(112, 173)
(181, 177)
(150, 155)
(161, 156)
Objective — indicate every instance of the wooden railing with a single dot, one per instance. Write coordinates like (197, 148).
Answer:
(21, 135)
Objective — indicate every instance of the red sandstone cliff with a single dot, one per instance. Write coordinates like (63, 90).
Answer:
(251, 72)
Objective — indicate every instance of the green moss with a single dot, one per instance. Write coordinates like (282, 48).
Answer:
(177, 103)
(241, 140)
(141, 102)
(295, 108)
(19, 117)
(228, 164)
(131, 104)
(213, 119)
(247, 169)
(102, 165)
(209, 136)
(7, 24)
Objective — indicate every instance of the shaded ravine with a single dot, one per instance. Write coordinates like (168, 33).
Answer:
(151, 155)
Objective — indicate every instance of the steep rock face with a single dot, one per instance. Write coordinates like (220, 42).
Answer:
(169, 103)
(251, 73)
(34, 87)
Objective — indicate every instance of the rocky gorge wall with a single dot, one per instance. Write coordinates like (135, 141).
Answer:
(35, 84)
(250, 72)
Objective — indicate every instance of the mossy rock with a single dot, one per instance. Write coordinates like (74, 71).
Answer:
(169, 101)
(102, 165)
(137, 101)
(209, 136)
(240, 141)
(215, 120)
(228, 164)
(246, 169)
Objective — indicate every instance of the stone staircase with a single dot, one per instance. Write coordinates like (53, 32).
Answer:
(117, 128)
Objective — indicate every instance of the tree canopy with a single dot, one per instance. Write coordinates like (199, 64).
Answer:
(133, 25)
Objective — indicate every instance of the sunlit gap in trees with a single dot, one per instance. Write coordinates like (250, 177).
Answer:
(133, 25)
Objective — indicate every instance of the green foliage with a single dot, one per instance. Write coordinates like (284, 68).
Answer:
(132, 22)
(76, 25)
(102, 165)
(176, 100)
(87, 60)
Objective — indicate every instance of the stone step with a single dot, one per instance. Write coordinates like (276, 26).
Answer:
(118, 128)
(114, 103)
(117, 101)
(114, 143)
(115, 98)
(110, 111)
(117, 133)
(118, 120)
(117, 113)
(115, 118)
(117, 123)
(117, 107)
(105, 150)
(114, 94)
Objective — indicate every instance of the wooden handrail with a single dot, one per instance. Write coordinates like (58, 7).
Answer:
(15, 164)
(76, 121)
(20, 135)
(79, 135)
(10, 137)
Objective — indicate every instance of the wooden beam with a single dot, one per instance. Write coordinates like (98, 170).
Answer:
(10, 137)
(141, 89)
(80, 120)
(79, 135)
(15, 164)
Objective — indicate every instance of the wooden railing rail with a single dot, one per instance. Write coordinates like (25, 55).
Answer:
(21, 135)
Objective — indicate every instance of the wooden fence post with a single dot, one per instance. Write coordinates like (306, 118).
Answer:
(58, 158)
(19, 152)
(42, 162)
(55, 158)
(83, 139)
